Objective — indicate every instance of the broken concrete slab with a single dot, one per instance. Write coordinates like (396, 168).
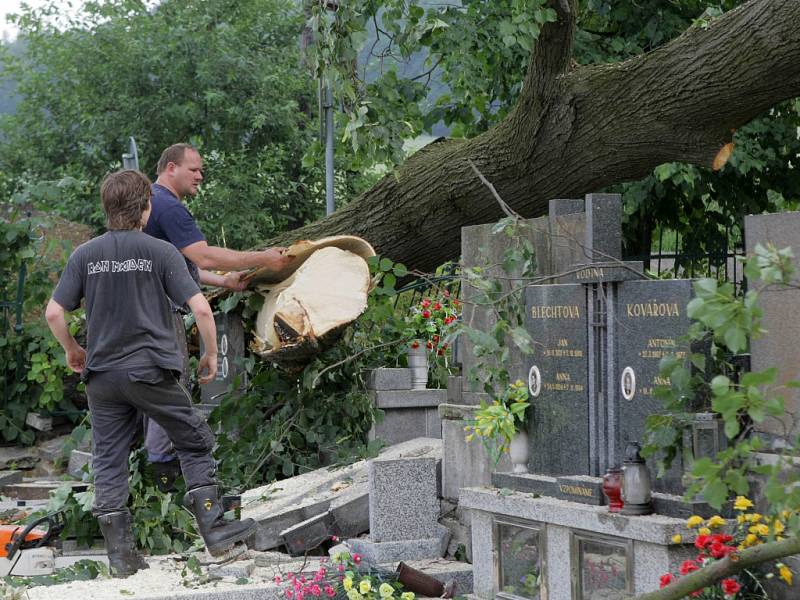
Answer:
(278, 506)
(376, 553)
(7, 477)
(40, 489)
(15, 457)
(38, 421)
(77, 460)
(309, 534)
(408, 398)
(237, 569)
(53, 450)
(446, 571)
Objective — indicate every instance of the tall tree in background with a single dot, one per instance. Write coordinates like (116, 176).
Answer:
(223, 74)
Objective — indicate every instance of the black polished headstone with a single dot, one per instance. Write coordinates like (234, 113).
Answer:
(230, 353)
(603, 227)
(650, 323)
(558, 426)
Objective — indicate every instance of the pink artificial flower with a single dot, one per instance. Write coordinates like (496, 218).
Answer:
(315, 590)
(334, 538)
(357, 558)
(340, 568)
(289, 593)
(329, 591)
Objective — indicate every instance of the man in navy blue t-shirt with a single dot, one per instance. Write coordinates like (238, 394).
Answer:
(180, 171)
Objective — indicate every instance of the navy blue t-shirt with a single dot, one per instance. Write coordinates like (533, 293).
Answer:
(171, 221)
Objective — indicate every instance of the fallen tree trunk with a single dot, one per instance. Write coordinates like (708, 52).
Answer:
(576, 131)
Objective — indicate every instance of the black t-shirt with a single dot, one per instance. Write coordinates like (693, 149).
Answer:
(127, 278)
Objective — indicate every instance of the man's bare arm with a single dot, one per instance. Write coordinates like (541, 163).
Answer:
(232, 281)
(56, 320)
(208, 332)
(213, 257)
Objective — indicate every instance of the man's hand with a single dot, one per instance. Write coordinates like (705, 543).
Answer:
(207, 365)
(235, 281)
(76, 358)
(274, 259)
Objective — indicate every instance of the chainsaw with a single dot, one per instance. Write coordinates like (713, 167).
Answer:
(29, 550)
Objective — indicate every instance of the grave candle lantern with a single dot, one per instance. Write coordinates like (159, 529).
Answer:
(636, 488)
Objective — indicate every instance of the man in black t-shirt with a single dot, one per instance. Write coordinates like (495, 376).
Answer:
(132, 363)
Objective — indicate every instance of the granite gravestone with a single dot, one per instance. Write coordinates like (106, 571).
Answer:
(556, 319)
(598, 343)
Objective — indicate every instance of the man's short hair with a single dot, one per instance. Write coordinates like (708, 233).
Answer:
(125, 195)
(173, 154)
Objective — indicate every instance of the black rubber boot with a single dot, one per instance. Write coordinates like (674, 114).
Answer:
(219, 535)
(123, 558)
(166, 473)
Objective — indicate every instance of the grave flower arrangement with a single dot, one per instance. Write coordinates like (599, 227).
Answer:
(500, 420)
(430, 322)
(714, 543)
(343, 578)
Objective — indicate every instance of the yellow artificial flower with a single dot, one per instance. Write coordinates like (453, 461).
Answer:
(742, 503)
(354, 595)
(407, 596)
(751, 539)
(677, 539)
(755, 517)
(347, 583)
(694, 521)
(778, 527)
(385, 590)
(704, 531)
(716, 521)
(785, 573)
(759, 529)
(365, 586)
(741, 519)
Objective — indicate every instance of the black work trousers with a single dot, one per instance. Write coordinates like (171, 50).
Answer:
(115, 399)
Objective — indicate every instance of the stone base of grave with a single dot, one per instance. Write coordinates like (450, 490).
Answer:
(407, 414)
(377, 553)
(589, 490)
(569, 534)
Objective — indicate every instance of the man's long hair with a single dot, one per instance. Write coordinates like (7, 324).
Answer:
(125, 195)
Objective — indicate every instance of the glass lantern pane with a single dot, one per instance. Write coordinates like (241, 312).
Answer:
(520, 563)
(604, 569)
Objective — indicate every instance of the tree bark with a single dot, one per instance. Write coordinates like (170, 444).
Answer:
(577, 131)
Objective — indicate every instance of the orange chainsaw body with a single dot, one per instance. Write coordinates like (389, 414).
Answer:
(8, 535)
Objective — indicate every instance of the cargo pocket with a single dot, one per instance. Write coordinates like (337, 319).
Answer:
(148, 375)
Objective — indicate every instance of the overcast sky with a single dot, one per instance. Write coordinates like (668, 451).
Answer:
(10, 6)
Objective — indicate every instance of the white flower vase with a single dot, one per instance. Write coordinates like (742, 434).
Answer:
(418, 363)
(518, 452)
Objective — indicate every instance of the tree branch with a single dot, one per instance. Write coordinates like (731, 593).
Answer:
(728, 566)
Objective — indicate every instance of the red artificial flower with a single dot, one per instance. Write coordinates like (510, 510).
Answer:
(666, 580)
(414, 344)
(730, 587)
(440, 352)
(437, 306)
(446, 294)
(719, 550)
(445, 345)
(429, 345)
(426, 314)
(436, 338)
(702, 541)
(455, 302)
(356, 558)
(426, 303)
(688, 566)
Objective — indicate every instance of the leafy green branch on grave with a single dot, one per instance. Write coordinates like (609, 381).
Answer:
(501, 297)
(724, 322)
